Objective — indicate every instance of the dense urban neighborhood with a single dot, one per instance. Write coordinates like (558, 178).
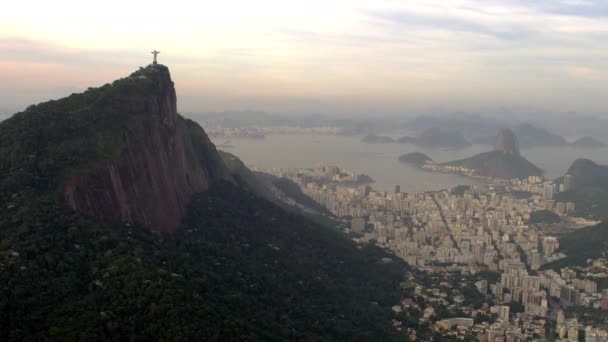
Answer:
(487, 252)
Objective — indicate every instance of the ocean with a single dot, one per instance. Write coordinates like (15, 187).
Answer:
(380, 161)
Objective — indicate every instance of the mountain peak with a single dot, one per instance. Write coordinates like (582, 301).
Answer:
(155, 70)
(504, 162)
(164, 161)
(506, 142)
(118, 153)
(586, 172)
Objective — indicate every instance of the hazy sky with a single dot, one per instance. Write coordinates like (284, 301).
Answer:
(317, 55)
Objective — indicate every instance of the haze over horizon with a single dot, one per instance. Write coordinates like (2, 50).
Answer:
(360, 57)
(342, 170)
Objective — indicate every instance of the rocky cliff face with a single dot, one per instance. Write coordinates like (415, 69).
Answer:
(498, 164)
(164, 160)
(507, 142)
(504, 162)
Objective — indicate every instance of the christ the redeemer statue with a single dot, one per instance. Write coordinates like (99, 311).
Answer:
(155, 53)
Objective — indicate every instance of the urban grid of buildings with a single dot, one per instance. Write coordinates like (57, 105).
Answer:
(465, 231)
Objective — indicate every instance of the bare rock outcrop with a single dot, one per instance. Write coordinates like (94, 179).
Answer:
(506, 142)
(165, 159)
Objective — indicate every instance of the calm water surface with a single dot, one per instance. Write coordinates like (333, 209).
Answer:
(380, 161)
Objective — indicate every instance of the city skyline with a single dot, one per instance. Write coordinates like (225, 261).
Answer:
(343, 57)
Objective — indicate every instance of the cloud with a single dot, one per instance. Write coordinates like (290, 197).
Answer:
(362, 39)
(576, 8)
(450, 23)
(411, 52)
(23, 50)
(587, 73)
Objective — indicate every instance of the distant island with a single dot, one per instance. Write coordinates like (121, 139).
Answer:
(430, 138)
(437, 138)
(504, 162)
(377, 139)
(588, 142)
(530, 136)
(360, 180)
(416, 158)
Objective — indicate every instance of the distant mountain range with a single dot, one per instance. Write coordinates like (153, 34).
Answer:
(377, 139)
(588, 142)
(429, 138)
(248, 118)
(438, 138)
(575, 125)
(473, 128)
(468, 125)
(530, 136)
(504, 162)
(479, 130)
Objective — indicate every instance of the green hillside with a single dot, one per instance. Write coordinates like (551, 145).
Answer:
(592, 203)
(544, 216)
(589, 189)
(240, 268)
(416, 158)
(497, 164)
(237, 268)
(581, 245)
(40, 146)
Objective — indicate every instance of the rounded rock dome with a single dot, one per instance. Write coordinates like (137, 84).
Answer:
(507, 142)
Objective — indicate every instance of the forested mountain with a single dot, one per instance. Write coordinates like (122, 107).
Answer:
(120, 221)
(504, 162)
(497, 164)
(589, 189)
(581, 245)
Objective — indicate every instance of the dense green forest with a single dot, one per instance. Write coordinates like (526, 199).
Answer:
(544, 216)
(592, 204)
(589, 189)
(580, 245)
(238, 267)
(42, 146)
